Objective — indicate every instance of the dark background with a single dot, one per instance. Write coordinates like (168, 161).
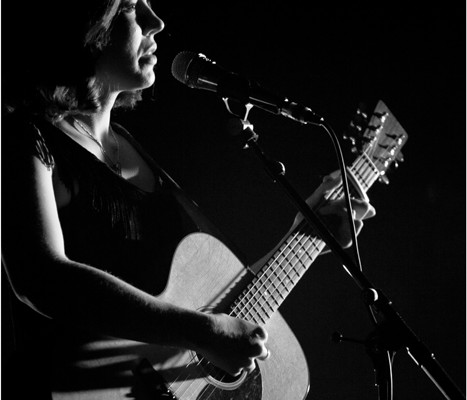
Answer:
(331, 57)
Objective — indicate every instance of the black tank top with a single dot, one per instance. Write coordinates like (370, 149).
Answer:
(109, 224)
(112, 224)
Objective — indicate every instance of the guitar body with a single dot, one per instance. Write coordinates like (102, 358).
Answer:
(205, 275)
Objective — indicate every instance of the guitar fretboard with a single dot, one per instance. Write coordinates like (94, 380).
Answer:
(274, 282)
(271, 286)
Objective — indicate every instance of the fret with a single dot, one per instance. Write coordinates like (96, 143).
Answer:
(278, 277)
(370, 167)
(275, 281)
(265, 312)
(297, 255)
(281, 282)
(247, 311)
(360, 178)
(268, 305)
(278, 290)
(267, 289)
(253, 309)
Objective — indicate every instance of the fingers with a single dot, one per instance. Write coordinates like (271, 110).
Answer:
(329, 183)
(236, 344)
(261, 333)
(358, 226)
(258, 349)
(250, 368)
(251, 364)
(265, 355)
(361, 208)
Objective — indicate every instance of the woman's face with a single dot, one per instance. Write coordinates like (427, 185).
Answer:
(127, 63)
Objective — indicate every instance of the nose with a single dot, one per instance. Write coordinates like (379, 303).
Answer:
(152, 23)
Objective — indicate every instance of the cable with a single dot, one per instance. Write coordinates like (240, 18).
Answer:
(345, 185)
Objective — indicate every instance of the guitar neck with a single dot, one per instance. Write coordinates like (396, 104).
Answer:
(273, 283)
(277, 278)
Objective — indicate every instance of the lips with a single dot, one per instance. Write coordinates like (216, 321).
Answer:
(149, 56)
(150, 51)
(149, 59)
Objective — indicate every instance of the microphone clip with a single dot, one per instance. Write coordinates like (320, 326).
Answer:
(238, 125)
(246, 109)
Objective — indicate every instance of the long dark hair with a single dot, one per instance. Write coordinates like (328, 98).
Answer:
(49, 52)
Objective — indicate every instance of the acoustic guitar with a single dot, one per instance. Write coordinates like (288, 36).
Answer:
(206, 275)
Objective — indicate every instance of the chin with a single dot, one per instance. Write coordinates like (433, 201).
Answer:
(142, 81)
(148, 78)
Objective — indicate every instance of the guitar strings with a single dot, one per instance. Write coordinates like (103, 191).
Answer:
(366, 172)
(266, 270)
(188, 375)
(337, 193)
(277, 282)
(213, 387)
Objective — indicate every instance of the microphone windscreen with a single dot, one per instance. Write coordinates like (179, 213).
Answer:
(181, 64)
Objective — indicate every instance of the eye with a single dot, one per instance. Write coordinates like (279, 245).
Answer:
(128, 7)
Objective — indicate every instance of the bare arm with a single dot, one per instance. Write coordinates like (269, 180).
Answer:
(43, 277)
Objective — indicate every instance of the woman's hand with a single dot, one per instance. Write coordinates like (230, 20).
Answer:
(334, 212)
(234, 344)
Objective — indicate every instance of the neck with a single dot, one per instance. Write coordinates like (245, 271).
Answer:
(99, 122)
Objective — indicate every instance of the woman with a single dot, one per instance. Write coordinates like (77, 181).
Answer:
(89, 221)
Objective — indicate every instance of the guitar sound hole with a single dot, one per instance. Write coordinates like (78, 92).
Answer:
(217, 374)
(226, 387)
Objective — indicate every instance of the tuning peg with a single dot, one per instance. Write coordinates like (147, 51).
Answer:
(362, 114)
(400, 157)
(360, 118)
(392, 150)
(374, 128)
(399, 139)
(355, 125)
(351, 139)
(384, 179)
(381, 115)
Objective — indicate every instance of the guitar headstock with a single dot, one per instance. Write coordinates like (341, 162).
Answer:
(379, 136)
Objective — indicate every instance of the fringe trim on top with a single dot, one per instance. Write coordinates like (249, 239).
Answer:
(112, 198)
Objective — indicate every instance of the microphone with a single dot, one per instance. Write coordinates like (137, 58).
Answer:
(199, 72)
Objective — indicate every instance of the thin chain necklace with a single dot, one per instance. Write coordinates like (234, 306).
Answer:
(115, 165)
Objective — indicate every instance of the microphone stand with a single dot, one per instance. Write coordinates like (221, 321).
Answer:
(391, 332)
